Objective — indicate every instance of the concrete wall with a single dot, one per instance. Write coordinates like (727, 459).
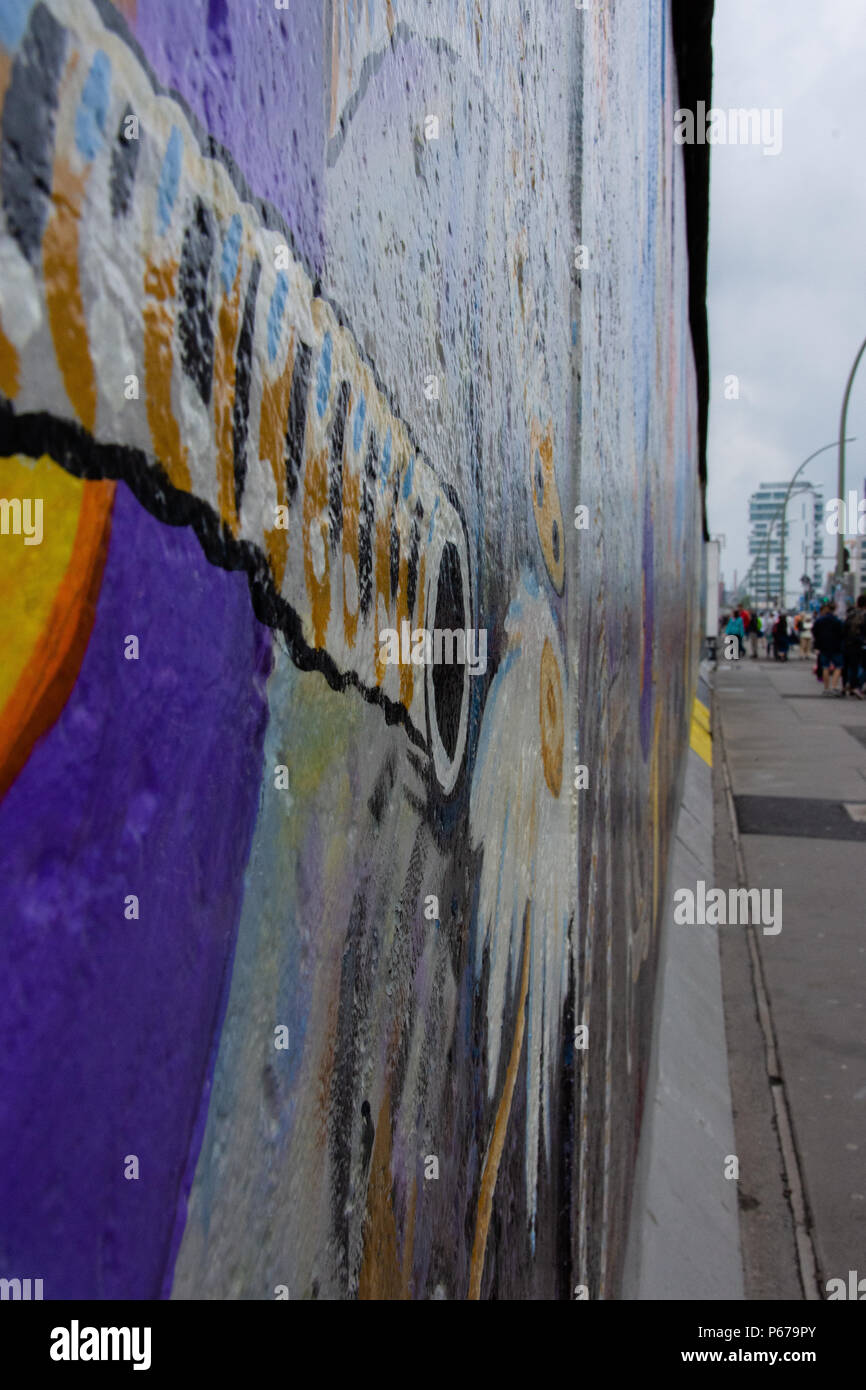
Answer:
(307, 933)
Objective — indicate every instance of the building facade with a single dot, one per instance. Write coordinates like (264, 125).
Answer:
(804, 537)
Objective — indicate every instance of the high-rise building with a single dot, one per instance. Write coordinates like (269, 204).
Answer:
(804, 542)
(857, 549)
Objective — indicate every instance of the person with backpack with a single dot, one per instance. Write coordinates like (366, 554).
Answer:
(852, 649)
(781, 637)
(828, 633)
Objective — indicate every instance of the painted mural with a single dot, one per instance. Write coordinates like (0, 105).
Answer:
(326, 973)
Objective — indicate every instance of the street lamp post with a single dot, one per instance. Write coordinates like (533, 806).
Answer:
(803, 488)
(781, 509)
(840, 539)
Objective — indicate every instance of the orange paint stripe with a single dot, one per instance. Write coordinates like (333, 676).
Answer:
(407, 672)
(44, 686)
(351, 547)
(381, 585)
(10, 366)
(315, 502)
(160, 287)
(63, 297)
(272, 446)
(224, 399)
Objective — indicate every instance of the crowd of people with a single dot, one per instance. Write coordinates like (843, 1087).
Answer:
(838, 645)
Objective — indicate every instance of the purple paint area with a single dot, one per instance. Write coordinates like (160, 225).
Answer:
(648, 618)
(147, 784)
(255, 77)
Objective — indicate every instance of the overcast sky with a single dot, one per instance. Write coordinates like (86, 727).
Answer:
(787, 273)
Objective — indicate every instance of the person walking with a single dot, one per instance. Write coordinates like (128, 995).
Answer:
(735, 629)
(753, 630)
(827, 634)
(781, 637)
(806, 636)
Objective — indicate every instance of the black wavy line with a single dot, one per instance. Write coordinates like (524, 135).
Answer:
(69, 445)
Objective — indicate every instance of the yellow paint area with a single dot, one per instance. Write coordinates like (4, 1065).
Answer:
(30, 575)
(701, 738)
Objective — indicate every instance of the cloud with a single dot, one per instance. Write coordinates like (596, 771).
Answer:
(787, 284)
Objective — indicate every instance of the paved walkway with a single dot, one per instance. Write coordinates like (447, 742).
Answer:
(684, 1235)
(797, 767)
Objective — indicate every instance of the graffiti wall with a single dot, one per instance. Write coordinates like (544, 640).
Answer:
(350, 529)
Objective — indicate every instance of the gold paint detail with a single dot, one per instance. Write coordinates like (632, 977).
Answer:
(382, 586)
(351, 548)
(224, 398)
(381, 1273)
(493, 1157)
(160, 284)
(407, 672)
(63, 298)
(551, 719)
(10, 364)
(10, 367)
(316, 518)
(272, 444)
(547, 507)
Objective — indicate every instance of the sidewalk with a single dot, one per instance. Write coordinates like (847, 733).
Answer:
(797, 768)
(684, 1235)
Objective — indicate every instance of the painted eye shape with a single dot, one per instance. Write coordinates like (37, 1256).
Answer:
(448, 678)
(546, 504)
(448, 608)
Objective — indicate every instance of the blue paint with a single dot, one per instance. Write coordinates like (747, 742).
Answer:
(169, 179)
(14, 15)
(92, 110)
(530, 582)
(323, 383)
(574, 332)
(358, 433)
(409, 477)
(275, 313)
(512, 655)
(231, 252)
(432, 520)
(385, 465)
